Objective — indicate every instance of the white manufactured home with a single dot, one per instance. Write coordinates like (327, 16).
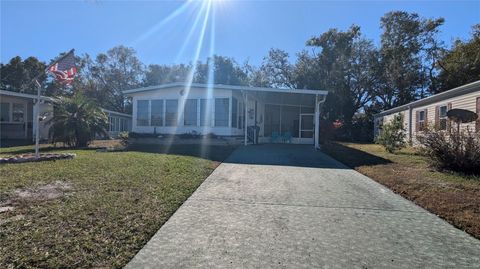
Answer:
(254, 115)
(432, 111)
(16, 115)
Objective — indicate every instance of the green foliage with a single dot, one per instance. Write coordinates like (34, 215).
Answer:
(392, 136)
(76, 121)
(408, 47)
(162, 74)
(276, 71)
(461, 65)
(457, 151)
(17, 75)
(345, 67)
(225, 70)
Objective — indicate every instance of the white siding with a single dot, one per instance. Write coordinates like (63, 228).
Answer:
(181, 95)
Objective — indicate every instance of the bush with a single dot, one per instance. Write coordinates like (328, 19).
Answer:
(455, 151)
(143, 135)
(393, 135)
(123, 136)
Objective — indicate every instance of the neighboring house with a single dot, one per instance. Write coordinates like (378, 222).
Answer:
(118, 122)
(17, 110)
(432, 111)
(16, 115)
(253, 115)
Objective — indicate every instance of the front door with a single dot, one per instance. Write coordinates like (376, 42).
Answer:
(307, 128)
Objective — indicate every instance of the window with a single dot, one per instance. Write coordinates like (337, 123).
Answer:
(156, 118)
(272, 119)
(18, 112)
(122, 125)
(442, 117)
(110, 123)
(234, 112)
(4, 111)
(422, 120)
(171, 112)
(190, 112)
(205, 113)
(221, 112)
(142, 112)
(240, 118)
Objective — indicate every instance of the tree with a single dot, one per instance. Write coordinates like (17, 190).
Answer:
(112, 73)
(276, 71)
(407, 43)
(345, 66)
(76, 121)
(161, 74)
(18, 75)
(461, 64)
(225, 71)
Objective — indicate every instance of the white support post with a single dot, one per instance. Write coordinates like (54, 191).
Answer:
(37, 123)
(246, 118)
(317, 124)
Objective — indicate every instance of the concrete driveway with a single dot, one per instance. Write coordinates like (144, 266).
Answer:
(288, 206)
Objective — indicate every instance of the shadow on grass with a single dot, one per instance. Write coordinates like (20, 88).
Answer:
(210, 152)
(352, 157)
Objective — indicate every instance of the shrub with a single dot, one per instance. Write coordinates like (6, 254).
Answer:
(457, 151)
(123, 136)
(393, 135)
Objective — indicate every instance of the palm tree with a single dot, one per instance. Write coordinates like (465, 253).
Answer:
(76, 121)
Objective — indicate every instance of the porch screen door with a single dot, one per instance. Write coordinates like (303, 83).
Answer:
(306, 125)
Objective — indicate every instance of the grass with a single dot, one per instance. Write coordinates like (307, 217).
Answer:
(454, 197)
(114, 203)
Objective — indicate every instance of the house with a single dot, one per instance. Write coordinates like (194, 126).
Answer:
(16, 115)
(118, 122)
(252, 115)
(432, 111)
(17, 110)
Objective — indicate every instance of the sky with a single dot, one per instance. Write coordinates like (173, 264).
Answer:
(168, 32)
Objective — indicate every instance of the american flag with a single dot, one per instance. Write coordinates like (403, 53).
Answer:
(64, 69)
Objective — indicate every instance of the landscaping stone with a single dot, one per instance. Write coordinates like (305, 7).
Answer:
(31, 157)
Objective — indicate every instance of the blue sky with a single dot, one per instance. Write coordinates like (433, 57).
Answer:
(243, 29)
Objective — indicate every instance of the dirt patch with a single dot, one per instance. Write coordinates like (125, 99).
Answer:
(35, 195)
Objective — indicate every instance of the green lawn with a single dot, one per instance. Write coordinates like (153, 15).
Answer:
(452, 196)
(96, 210)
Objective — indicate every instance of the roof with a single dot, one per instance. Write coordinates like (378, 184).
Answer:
(52, 99)
(25, 95)
(464, 89)
(226, 87)
(116, 113)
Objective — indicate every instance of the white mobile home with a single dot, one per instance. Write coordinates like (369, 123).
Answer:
(16, 115)
(17, 112)
(433, 110)
(257, 115)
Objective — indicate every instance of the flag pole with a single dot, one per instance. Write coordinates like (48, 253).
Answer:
(37, 122)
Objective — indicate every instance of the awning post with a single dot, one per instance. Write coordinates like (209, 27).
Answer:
(246, 121)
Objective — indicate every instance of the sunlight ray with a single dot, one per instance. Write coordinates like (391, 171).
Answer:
(161, 23)
(210, 82)
(191, 74)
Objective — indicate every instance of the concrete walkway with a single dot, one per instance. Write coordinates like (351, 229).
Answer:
(287, 206)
